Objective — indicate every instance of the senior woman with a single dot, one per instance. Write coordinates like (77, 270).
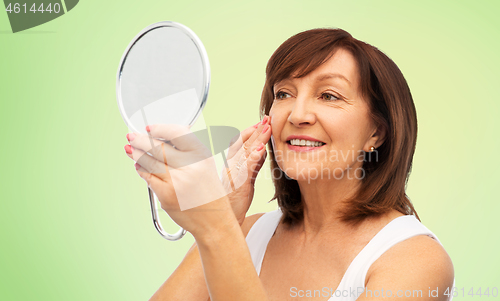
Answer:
(341, 128)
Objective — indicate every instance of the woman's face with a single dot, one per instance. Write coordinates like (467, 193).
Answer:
(325, 111)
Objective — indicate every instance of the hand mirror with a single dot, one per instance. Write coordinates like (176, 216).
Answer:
(163, 77)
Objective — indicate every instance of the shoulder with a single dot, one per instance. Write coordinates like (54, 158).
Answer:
(419, 264)
(249, 221)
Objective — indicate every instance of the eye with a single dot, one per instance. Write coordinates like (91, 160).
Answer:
(281, 95)
(329, 97)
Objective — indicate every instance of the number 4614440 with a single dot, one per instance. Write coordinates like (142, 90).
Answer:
(17, 8)
(479, 292)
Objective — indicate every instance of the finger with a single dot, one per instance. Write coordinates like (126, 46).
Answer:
(164, 154)
(180, 136)
(248, 167)
(145, 174)
(151, 165)
(237, 142)
(248, 144)
(256, 160)
(158, 149)
(261, 135)
(158, 186)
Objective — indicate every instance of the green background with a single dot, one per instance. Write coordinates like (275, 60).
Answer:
(75, 221)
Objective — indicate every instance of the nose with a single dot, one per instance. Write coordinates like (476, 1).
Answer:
(302, 113)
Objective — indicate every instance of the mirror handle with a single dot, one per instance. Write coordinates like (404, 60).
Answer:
(156, 220)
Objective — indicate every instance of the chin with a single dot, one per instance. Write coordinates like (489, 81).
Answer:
(305, 171)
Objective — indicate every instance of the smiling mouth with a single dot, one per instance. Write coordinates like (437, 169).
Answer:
(305, 143)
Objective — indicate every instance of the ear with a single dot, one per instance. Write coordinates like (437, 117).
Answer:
(377, 138)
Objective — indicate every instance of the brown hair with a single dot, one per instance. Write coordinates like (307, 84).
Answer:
(391, 105)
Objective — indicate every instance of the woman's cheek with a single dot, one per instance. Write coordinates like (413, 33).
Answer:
(273, 124)
(271, 111)
(277, 121)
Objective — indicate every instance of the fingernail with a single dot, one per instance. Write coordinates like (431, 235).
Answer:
(128, 149)
(130, 136)
(264, 120)
(265, 128)
(148, 128)
(261, 146)
(257, 124)
(137, 166)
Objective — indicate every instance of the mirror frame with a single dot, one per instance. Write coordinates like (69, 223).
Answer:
(204, 60)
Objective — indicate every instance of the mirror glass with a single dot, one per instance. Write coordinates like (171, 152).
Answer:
(164, 77)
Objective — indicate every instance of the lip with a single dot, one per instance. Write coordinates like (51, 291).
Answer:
(303, 148)
(302, 137)
(296, 148)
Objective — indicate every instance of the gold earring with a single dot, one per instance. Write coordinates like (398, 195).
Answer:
(372, 149)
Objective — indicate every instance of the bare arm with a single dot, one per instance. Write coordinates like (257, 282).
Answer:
(187, 282)
(227, 264)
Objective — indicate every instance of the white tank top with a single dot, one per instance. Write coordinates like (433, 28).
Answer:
(399, 229)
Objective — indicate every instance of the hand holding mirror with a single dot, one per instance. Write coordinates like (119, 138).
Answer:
(163, 78)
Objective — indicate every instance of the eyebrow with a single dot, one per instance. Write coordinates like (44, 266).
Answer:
(322, 77)
(332, 75)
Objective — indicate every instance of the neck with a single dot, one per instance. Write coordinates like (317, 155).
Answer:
(323, 199)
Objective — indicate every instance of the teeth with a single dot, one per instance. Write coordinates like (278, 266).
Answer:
(302, 142)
